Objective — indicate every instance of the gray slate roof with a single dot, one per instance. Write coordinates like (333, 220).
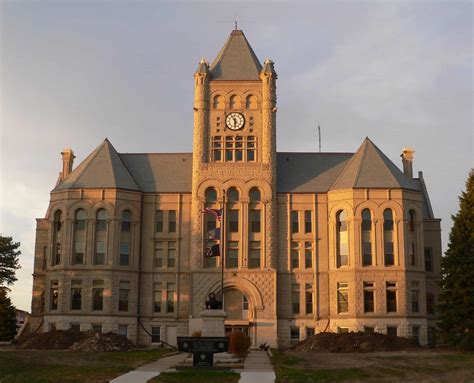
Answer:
(103, 168)
(236, 60)
(370, 168)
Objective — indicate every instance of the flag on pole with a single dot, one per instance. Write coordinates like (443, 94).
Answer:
(214, 234)
(213, 251)
(215, 212)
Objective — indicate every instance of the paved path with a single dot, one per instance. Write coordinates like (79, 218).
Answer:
(257, 368)
(144, 373)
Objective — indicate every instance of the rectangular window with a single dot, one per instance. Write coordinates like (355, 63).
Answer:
(171, 254)
(388, 244)
(155, 335)
(54, 295)
(79, 250)
(309, 298)
(255, 221)
(170, 298)
(342, 330)
(391, 293)
(97, 295)
(428, 259)
(233, 221)
(369, 306)
(96, 327)
(294, 335)
(159, 252)
(308, 255)
(172, 221)
(159, 221)
(100, 253)
(295, 225)
(308, 226)
(342, 298)
(124, 253)
(369, 329)
(295, 255)
(415, 297)
(210, 222)
(76, 294)
(124, 295)
(295, 298)
(392, 330)
(217, 148)
(415, 334)
(232, 255)
(57, 254)
(254, 261)
(309, 331)
(122, 330)
(157, 298)
(75, 327)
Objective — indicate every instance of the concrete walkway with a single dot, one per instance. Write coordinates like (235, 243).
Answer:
(146, 372)
(257, 368)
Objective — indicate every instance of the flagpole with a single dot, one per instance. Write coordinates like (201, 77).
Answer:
(223, 228)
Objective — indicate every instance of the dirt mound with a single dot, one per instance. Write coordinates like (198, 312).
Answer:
(52, 340)
(103, 342)
(354, 342)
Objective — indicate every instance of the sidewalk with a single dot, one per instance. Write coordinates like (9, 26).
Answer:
(257, 368)
(144, 373)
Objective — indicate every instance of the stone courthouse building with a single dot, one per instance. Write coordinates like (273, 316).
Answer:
(312, 242)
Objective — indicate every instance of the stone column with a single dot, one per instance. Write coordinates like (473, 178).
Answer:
(213, 322)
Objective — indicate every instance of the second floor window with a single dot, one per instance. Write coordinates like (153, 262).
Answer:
(342, 248)
(124, 295)
(54, 295)
(76, 294)
(342, 298)
(366, 238)
(97, 295)
(369, 292)
(100, 237)
(79, 238)
(389, 256)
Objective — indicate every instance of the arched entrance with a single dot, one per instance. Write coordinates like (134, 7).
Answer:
(236, 305)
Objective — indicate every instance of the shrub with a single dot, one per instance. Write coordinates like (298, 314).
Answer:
(196, 333)
(239, 343)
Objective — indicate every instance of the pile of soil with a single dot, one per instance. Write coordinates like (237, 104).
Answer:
(52, 340)
(354, 342)
(103, 342)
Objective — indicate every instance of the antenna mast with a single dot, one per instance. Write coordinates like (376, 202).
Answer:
(319, 137)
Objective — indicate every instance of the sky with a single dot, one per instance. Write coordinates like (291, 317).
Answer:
(75, 72)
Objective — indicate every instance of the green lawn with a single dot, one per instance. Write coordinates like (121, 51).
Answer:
(197, 376)
(423, 365)
(70, 367)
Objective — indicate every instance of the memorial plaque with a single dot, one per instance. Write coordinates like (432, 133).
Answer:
(203, 359)
(203, 344)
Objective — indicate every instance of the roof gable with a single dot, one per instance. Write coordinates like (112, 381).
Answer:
(103, 168)
(236, 60)
(371, 168)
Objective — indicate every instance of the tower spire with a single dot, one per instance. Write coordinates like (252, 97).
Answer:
(235, 20)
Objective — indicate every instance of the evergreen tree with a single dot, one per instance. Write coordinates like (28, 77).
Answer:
(7, 317)
(456, 308)
(9, 254)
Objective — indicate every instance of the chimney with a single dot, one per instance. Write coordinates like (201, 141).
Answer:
(407, 160)
(68, 160)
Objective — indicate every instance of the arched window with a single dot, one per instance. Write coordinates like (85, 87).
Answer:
(342, 239)
(125, 238)
(411, 238)
(254, 195)
(389, 257)
(366, 238)
(219, 102)
(211, 236)
(211, 195)
(235, 102)
(100, 237)
(79, 237)
(251, 102)
(57, 238)
(233, 195)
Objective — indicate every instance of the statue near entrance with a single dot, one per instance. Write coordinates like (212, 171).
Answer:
(213, 303)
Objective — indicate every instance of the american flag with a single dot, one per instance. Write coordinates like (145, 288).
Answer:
(216, 213)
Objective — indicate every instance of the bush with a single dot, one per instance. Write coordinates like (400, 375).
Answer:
(196, 333)
(239, 343)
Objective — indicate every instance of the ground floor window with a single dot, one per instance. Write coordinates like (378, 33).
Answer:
(416, 334)
(369, 329)
(294, 335)
(155, 335)
(309, 331)
(75, 327)
(341, 330)
(392, 330)
(122, 329)
(97, 327)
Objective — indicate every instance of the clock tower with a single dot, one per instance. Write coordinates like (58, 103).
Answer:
(234, 169)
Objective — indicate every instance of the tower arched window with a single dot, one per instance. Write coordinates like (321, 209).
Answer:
(100, 237)
(388, 238)
(233, 236)
(342, 239)
(411, 238)
(235, 102)
(125, 238)
(233, 195)
(57, 238)
(210, 236)
(255, 229)
(218, 102)
(79, 237)
(251, 102)
(366, 237)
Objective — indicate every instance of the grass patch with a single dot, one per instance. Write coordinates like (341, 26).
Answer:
(70, 367)
(280, 358)
(196, 376)
(297, 375)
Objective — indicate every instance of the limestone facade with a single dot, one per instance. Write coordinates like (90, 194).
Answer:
(310, 244)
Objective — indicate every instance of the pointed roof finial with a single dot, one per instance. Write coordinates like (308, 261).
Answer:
(235, 20)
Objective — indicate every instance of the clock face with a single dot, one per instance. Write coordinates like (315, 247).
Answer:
(235, 121)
